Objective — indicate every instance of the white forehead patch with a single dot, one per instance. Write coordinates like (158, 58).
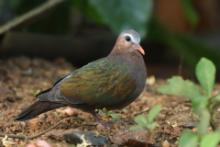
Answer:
(135, 37)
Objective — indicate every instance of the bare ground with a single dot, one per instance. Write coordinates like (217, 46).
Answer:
(22, 78)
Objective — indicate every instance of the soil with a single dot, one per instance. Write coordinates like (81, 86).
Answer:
(22, 78)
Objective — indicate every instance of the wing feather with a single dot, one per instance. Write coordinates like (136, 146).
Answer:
(103, 83)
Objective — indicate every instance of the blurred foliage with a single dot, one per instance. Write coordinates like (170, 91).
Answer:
(187, 139)
(109, 114)
(203, 101)
(185, 45)
(124, 14)
(56, 22)
(5, 13)
(190, 12)
(147, 121)
(117, 15)
(177, 86)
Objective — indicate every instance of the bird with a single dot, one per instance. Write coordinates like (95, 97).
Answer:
(111, 82)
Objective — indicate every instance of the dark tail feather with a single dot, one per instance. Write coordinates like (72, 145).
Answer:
(36, 109)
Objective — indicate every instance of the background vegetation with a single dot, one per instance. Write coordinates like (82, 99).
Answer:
(186, 29)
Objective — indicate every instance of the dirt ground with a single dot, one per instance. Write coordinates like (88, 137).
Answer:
(22, 78)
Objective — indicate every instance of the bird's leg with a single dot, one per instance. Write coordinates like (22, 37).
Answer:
(96, 116)
(99, 119)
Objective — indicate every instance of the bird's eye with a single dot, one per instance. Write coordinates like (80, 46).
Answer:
(128, 38)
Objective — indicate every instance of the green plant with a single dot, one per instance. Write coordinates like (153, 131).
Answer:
(110, 114)
(147, 121)
(126, 14)
(190, 12)
(202, 103)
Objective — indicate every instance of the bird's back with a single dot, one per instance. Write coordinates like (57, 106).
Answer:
(108, 82)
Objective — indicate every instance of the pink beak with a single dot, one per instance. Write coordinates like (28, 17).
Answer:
(140, 49)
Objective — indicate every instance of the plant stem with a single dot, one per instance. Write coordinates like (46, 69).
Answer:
(204, 122)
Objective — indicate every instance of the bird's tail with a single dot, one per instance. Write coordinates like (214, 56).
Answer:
(36, 109)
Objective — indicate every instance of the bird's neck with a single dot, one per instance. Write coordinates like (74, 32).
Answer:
(117, 51)
(125, 53)
(133, 61)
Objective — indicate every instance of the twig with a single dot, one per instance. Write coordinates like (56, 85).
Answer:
(29, 15)
(141, 112)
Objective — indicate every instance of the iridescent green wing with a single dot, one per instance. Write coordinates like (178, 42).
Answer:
(102, 82)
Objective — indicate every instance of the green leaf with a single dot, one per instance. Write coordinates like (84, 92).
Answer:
(115, 116)
(147, 121)
(191, 48)
(88, 10)
(204, 121)
(136, 128)
(151, 125)
(190, 12)
(152, 114)
(179, 87)
(205, 73)
(14, 3)
(216, 98)
(210, 140)
(188, 139)
(141, 120)
(123, 14)
(199, 103)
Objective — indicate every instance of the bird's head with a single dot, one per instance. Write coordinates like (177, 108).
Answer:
(128, 41)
